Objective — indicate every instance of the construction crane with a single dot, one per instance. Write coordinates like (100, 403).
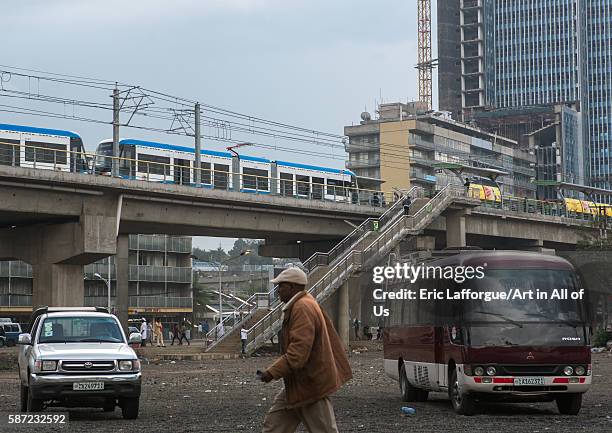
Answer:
(425, 63)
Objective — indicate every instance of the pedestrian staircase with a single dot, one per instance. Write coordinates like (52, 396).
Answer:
(367, 245)
(316, 267)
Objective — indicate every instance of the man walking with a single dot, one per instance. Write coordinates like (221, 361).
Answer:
(183, 333)
(176, 334)
(313, 365)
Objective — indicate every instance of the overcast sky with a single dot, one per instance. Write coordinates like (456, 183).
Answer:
(312, 63)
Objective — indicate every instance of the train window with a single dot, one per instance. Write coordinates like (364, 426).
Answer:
(303, 185)
(335, 187)
(205, 172)
(221, 176)
(286, 184)
(51, 153)
(9, 152)
(255, 179)
(153, 164)
(318, 184)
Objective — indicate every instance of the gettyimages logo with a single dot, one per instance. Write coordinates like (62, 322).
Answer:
(413, 273)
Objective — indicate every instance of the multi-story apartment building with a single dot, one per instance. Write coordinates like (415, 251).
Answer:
(160, 280)
(401, 150)
(520, 57)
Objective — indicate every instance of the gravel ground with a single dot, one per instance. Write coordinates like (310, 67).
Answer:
(223, 396)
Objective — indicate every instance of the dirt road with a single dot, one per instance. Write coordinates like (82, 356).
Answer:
(223, 396)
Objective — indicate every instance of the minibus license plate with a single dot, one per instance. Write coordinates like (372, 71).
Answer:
(87, 386)
(529, 381)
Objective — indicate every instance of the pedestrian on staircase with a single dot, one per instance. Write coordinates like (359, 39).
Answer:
(313, 365)
(243, 339)
(407, 202)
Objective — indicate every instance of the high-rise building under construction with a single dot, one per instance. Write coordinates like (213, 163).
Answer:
(509, 62)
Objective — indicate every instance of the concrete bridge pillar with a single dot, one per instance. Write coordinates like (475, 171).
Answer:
(348, 295)
(58, 251)
(455, 228)
(343, 313)
(123, 269)
(57, 285)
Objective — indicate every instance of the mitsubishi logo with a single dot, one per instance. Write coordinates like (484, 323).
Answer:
(89, 364)
(530, 356)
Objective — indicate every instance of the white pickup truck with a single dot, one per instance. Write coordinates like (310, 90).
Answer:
(78, 357)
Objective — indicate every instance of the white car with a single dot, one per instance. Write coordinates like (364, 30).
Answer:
(78, 357)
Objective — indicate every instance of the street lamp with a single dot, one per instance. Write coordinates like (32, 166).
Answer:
(243, 253)
(108, 286)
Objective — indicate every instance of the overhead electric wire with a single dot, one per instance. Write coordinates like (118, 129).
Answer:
(305, 135)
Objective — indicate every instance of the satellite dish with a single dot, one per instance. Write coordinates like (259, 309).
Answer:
(365, 116)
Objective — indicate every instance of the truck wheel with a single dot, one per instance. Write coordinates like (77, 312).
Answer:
(569, 404)
(23, 398)
(422, 395)
(1, 342)
(109, 405)
(33, 404)
(10, 343)
(463, 404)
(409, 392)
(129, 408)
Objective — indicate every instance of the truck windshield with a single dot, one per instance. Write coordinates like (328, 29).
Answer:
(80, 330)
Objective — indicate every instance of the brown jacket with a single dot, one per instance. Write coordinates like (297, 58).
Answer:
(314, 363)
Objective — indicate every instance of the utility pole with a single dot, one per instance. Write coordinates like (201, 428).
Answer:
(115, 163)
(198, 147)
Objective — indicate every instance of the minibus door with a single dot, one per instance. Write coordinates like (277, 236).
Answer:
(441, 379)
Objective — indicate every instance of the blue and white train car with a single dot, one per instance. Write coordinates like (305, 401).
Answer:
(146, 160)
(50, 149)
(315, 182)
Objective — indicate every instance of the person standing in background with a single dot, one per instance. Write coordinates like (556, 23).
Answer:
(143, 331)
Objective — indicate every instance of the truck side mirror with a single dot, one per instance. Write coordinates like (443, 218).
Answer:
(25, 339)
(135, 338)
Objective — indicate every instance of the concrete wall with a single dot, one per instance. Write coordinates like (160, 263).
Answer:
(395, 155)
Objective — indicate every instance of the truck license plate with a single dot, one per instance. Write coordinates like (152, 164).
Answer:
(87, 386)
(529, 381)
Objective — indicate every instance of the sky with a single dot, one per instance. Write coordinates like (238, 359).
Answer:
(311, 63)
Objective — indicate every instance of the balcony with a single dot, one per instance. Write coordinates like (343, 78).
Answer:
(15, 269)
(160, 243)
(15, 300)
(160, 274)
(160, 302)
(99, 268)
(362, 164)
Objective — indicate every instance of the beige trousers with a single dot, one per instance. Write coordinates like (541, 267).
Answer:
(317, 417)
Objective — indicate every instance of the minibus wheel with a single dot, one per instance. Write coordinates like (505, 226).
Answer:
(409, 392)
(462, 403)
(569, 404)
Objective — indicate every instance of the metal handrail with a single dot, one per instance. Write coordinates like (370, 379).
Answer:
(363, 229)
(336, 273)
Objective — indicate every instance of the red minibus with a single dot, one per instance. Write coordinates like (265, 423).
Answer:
(475, 350)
